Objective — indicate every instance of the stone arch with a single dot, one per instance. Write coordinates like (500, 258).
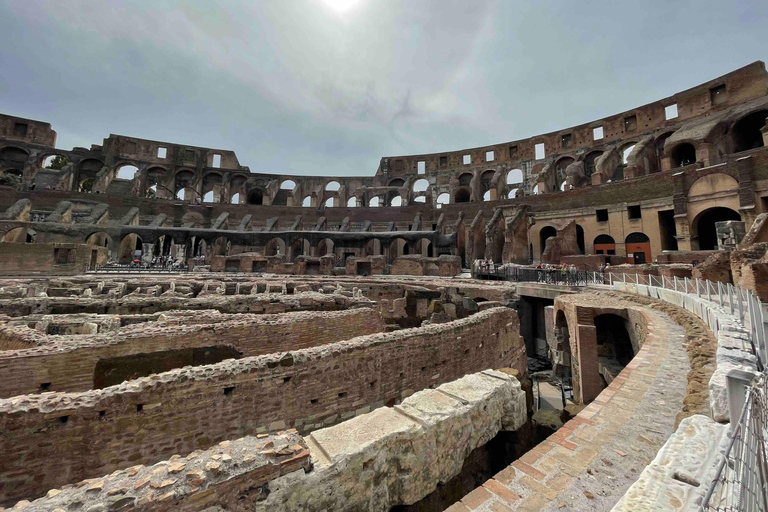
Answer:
(275, 247)
(398, 247)
(212, 187)
(545, 233)
(683, 154)
(424, 248)
(590, 163)
(703, 229)
(396, 182)
(98, 239)
(486, 179)
(332, 186)
(746, 131)
(614, 345)
(13, 156)
(325, 247)
(300, 247)
(126, 171)
(444, 198)
(712, 184)
(420, 185)
(181, 185)
(54, 161)
(306, 202)
(512, 193)
(131, 247)
(465, 179)
(372, 247)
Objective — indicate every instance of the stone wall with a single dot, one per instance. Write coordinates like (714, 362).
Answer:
(47, 259)
(445, 266)
(67, 363)
(61, 438)
(428, 437)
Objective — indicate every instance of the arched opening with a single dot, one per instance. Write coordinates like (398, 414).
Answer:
(330, 202)
(352, 202)
(487, 195)
(86, 174)
(563, 186)
(746, 131)
(461, 196)
(131, 248)
(589, 163)
(56, 162)
(580, 239)
(325, 247)
(546, 233)
(704, 228)
(396, 201)
(398, 247)
(307, 202)
(465, 179)
(420, 199)
(638, 247)
(614, 346)
(235, 199)
(372, 248)
(299, 248)
(126, 172)
(396, 182)
(512, 193)
(538, 189)
(485, 185)
(86, 186)
(332, 186)
(212, 185)
(442, 199)
(375, 202)
(626, 152)
(274, 247)
(13, 157)
(181, 183)
(424, 248)
(659, 145)
(154, 180)
(98, 239)
(288, 185)
(604, 244)
(420, 185)
(256, 196)
(683, 154)
(515, 177)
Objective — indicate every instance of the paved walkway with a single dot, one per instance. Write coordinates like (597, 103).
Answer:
(592, 460)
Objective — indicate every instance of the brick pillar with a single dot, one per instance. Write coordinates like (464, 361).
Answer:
(590, 384)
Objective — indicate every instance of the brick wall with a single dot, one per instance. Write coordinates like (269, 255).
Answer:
(67, 363)
(62, 438)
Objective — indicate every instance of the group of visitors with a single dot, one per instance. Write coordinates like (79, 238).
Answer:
(484, 265)
(166, 262)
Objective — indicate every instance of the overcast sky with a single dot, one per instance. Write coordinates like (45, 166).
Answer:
(300, 86)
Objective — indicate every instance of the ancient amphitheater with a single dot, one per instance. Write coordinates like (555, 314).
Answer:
(573, 321)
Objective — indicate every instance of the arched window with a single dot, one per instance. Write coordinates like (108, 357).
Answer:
(604, 244)
(329, 202)
(307, 202)
(487, 196)
(514, 177)
(420, 185)
(235, 198)
(420, 199)
(442, 199)
(746, 131)
(512, 193)
(288, 185)
(332, 186)
(465, 179)
(462, 196)
(127, 172)
(375, 202)
(626, 153)
(352, 202)
(397, 201)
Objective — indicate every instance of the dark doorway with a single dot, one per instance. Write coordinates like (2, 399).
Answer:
(668, 230)
(704, 226)
(548, 232)
(746, 131)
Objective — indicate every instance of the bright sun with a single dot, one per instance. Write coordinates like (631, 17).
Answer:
(340, 5)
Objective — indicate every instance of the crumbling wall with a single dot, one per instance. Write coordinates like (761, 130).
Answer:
(62, 438)
(563, 244)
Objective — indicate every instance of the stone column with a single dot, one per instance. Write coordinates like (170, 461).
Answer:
(146, 252)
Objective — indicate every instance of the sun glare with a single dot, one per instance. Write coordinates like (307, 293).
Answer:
(340, 5)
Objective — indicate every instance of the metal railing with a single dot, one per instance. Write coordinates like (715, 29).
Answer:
(138, 269)
(740, 477)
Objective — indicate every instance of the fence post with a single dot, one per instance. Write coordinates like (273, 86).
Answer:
(698, 290)
(624, 277)
(709, 290)
(730, 296)
(740, 304)
(674, 280)
(663, 281)
(720, 293)
(610, 279)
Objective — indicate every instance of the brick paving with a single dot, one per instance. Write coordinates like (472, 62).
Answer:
(592, 460)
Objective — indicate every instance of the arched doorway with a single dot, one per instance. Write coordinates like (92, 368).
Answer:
(300, 247)
(545, 233)
(17, 235)
(683, 154)
(580, 239)
(325, 247)
(256, 196)
(638, 247)
(424, 247)
(604, 244)
(704, 228)
(274, 247)
(462, 196)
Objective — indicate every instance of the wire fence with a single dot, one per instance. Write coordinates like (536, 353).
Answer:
(740, 481)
